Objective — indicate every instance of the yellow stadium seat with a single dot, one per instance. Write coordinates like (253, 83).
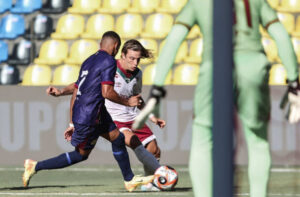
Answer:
(297, 28)
(37, 75)
(289, 6)
(181, 53)
(270, 49)
(65, 74)
(84, 6)
(152, 46)
(194, 32)
(288, 21)
(114, 6)
(195, 52)
(148, 75)
(171, 6)
(186, 74)
(263, 32)
(52, 52)
(129, 25)
(97, 25)
(143, 6)
(273, 3)
(69, 26)
(157, 26)
(277, 75)
(296, 44)
(80, 50)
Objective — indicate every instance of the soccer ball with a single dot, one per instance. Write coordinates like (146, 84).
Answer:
(165, 178)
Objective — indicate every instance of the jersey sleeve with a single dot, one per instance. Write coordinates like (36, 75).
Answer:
(108, 74)
(184, 22)
(267, 14)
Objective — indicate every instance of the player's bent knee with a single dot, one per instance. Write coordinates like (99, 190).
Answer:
(134, 142)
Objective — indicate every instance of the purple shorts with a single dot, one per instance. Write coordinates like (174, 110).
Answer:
(86, 136)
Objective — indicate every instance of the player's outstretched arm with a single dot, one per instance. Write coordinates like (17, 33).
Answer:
(109, 93)
(68, 90)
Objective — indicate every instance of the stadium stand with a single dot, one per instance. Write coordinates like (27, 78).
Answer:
(171, 6)
(23, 53)
(65, 74)
(195, 52)
(69, 26)
(194, 33)
(143, 6)
(157, 26)
(84, 6)
(277, 75)
(52, 52)
(80, 50)
(9, 75)
(297, 28)
(152, 45)
(114, 6)
(129, 25)
(12, 26)
(26, 6)
(289, 6)
(37, 75)
(41, 26)
(148, 75)
(186, 74)
(55, 6)
(98, 24)
(3, 51)
(5, 5)
(288, 20)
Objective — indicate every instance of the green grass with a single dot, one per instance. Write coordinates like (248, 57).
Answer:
(83, 180)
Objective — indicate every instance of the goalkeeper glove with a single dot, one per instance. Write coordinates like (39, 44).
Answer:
(292, 97)
(151, 107)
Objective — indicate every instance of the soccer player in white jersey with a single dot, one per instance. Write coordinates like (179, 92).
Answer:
(128, 82)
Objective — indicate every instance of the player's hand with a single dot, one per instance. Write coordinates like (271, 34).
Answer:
(152, 106)
(53, 91)
(161, 123)
(135, 101)
(292, 98)
(69, 132)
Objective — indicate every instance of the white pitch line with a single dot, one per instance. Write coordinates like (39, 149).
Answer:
(95, 194)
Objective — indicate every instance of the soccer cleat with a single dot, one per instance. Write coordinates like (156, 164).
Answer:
(149, 187)
(136, 181)
(29, 171)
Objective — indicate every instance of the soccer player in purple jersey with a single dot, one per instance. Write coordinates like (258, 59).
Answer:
(90, 117)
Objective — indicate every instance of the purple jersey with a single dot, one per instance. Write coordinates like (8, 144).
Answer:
(99, 68)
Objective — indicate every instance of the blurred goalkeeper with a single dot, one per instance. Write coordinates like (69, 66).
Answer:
(251, 75)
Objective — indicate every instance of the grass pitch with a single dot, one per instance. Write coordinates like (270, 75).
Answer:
(81, 180)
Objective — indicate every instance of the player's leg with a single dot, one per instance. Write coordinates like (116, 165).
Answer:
(82, 139)
(253, 104)
(121, 155)
(153, 148)
(201, 147)
(144, 156)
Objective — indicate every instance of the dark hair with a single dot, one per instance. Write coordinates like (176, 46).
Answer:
(136, 46)
(113, 35)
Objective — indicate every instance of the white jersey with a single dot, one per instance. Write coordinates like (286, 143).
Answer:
(126, 86)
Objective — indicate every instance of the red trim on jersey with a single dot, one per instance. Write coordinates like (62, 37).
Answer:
(248, 13)
(108, 82)
(127, 74)
(75, 85)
